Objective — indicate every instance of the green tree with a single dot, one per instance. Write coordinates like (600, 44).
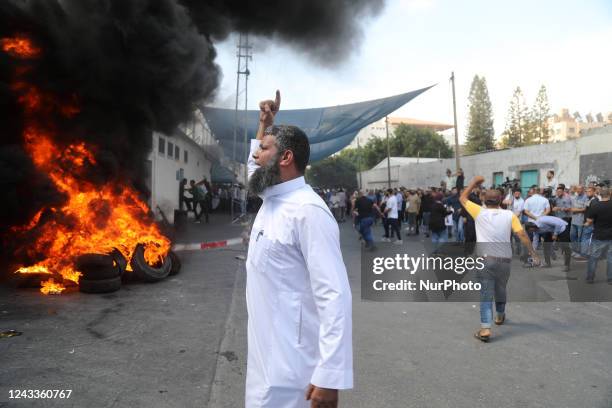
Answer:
(406, 141)
(410, 141)
(517, 122)
(332, 172)
(540, 112)
(480, 132)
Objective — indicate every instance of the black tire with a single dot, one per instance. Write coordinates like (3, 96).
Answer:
(147, 272)
(30, 280)
(87, 261)
(119, 259)
(94, 274)
(176, 263)
(100, 286)
(98, 266)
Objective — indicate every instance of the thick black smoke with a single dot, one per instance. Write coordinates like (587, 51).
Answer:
(135, 66)
(328, 30)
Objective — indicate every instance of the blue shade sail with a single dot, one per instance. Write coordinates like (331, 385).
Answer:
(329, 129)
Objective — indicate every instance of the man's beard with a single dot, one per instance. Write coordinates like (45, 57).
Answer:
(265, 176)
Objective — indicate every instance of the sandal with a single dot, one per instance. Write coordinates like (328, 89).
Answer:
(484, 339)
(499, 321)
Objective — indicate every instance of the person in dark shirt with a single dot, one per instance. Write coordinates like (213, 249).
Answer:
(426, 204)
(437, 227)
(364, 212)
(459, 184)
(469, 229)
(453, 201)
(599, 215)
(587, 229)
(183, 199)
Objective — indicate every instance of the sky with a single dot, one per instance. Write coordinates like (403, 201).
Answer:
(411, 44)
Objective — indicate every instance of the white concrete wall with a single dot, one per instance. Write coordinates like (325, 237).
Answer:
(165, 171)
(563, 158)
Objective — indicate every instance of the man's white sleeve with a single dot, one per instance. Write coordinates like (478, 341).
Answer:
(320, 245)
(251, 165)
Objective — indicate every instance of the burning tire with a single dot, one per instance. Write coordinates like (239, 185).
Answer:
(176, 263)
(100, 286)
(96, 267)
(147, 272)
(120, 259)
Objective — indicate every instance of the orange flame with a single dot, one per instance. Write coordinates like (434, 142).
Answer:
(19, 47)
(94, 219)
(51, 288)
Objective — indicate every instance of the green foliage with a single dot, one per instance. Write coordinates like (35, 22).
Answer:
(517, 131)
(332, 172)
(540, 113)
(480, 132)
(407, 141)
(410, 141)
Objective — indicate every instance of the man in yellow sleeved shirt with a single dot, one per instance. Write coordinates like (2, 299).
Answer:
(494, 227)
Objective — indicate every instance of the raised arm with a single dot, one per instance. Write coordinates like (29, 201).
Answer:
(463, 198)
(267, 111)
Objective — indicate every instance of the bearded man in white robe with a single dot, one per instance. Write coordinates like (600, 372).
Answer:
(298, 296)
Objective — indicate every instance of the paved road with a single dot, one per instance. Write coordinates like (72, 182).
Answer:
(553, 354)
(147, 345)
(182, 343)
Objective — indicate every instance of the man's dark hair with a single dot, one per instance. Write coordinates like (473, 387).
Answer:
(530, 225)
(294, 139)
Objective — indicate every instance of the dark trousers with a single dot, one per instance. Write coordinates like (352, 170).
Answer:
(204, 209)
(187, 201)
(563, 239)
(394, 226)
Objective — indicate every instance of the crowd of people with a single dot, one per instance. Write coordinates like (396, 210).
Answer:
(499, 222)
(202, 198)
(575, 220)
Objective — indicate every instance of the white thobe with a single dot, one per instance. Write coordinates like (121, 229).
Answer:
(298, 299)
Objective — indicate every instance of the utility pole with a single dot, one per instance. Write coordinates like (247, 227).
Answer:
(243, 55)
(359, 163)
(457, 165)
(246, 73)
(388, 153)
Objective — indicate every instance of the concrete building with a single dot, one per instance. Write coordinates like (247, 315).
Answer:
(378, 129)
(580, 160)
(172, 159)
(564, 126)
(378, 176)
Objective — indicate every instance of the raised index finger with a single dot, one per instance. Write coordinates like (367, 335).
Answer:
(277, 101)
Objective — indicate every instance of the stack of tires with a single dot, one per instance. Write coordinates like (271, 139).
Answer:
(104, 273)
(101, 273)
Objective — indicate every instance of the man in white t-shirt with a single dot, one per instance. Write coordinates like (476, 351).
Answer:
(341, 204)
(391, 211)
(535, 206)
(493, 228)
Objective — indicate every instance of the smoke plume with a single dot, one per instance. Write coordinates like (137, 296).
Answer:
(135, 66)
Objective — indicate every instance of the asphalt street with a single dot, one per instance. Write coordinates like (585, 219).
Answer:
(182, 343)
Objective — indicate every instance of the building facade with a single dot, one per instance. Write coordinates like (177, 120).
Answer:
(172, 159)
(577, 161)
(565, 126)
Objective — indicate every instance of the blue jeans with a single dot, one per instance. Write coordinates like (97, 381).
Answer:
(438, 238)
(458, 227)
(575, 237)
(493, 279)
(365, 229)
(426, 217)
(597, 250)
(585, 240)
